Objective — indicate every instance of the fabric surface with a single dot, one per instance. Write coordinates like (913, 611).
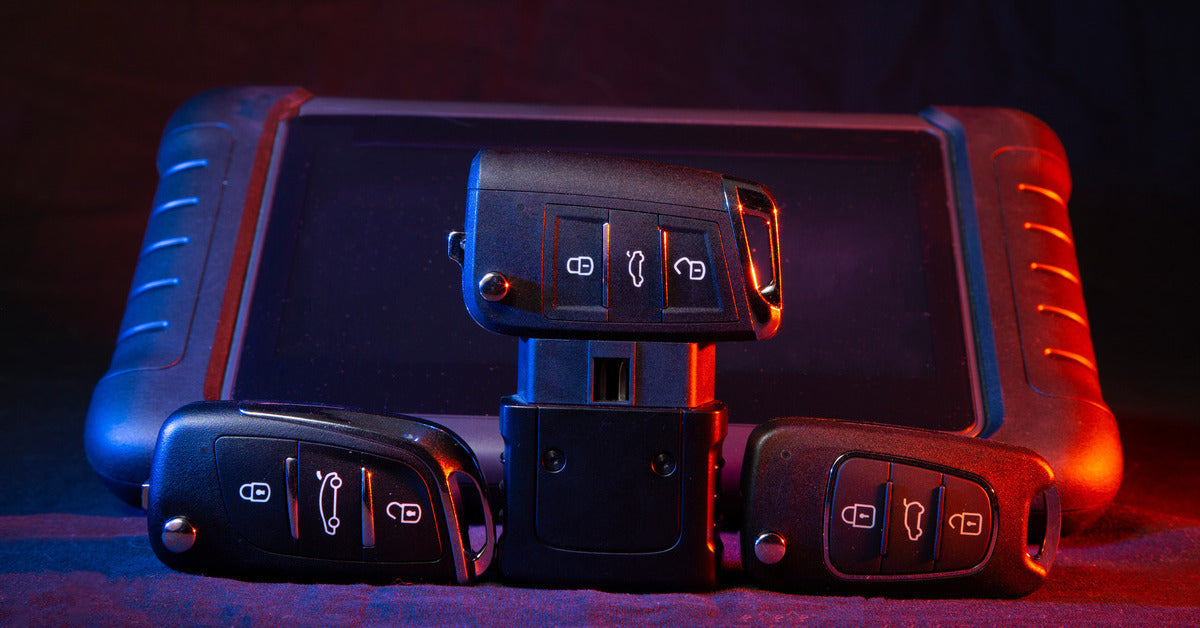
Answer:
(72, 553)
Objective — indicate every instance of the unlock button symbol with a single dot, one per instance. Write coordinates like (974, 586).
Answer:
(693, 269)
(967, 523)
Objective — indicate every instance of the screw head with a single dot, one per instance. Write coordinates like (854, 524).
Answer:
(663, 464)
(493, 287)
(178, 535)
(769, 548)
(553, 460)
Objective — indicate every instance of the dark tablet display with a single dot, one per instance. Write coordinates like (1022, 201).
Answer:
(356, 303)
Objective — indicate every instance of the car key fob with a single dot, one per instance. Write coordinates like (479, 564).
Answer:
(301, 492)
(873, 508)
(598, 247)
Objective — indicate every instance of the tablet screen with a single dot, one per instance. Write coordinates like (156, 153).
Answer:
(356, 303)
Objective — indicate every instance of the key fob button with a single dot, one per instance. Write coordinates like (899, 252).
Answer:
(966, 526)
(635, 276)
(856, 515)
(251, 472)
(573, 279)
(913, 517)
(404, 522)
(695, 271)
(329, 495)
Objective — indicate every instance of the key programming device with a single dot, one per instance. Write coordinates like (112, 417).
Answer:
(617, 275)
(294, 492)
(873, 508)
(295, 251)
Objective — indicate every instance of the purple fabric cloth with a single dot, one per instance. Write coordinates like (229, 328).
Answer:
(72, 553)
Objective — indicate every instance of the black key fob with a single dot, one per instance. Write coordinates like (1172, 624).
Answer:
(302, 493)
(598, 247)
(872, 508)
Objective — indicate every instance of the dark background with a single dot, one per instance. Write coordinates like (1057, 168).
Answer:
(85, 91)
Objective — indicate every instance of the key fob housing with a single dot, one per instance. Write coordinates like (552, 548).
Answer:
(833, 504)
(302, 493)
(569, 245)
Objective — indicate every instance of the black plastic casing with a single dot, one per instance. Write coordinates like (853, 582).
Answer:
(787, 488)
(212, 164)
(606, 519)
(515, 235)
(1040, 383)
(184, 483)
(614, 491)
(612, 494)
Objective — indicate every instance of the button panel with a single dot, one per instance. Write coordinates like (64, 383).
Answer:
(403, 525)
(857, 516)
(327, 502)
(694, 271)
(891, 518)
(254, 482)
(966, 525)
(575, 249)
(633, 267)
(912, 515)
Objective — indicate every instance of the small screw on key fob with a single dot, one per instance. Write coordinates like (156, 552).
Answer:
(296, 492)
(872, 508)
